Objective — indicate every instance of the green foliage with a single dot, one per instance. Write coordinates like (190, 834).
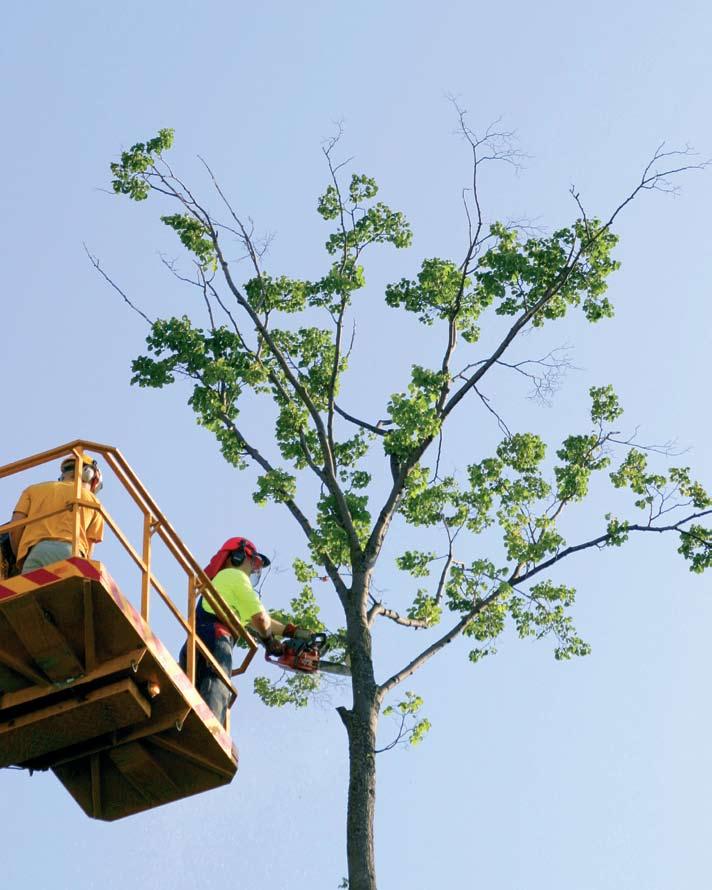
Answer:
(441, 291)
(426, 503)
(522, 452)
(425, 608)
(331, 539)
(605, 406)
(633, 473)
(542, 612)
(312, 351)
(696, 547)
(486, 626)
(698, 497)
(469, 585)
(266, 294)
(416, 562)
(414, 415)
(581, 456)
(412, 730)
(659, 494)
(303, 608)
(292, 689)
(537, 275)
(617, 531)
(130, 172)
(342, 279)
(375, 224)
(275, 485)
(195, 237)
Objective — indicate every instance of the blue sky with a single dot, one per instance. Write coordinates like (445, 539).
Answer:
(592, 775)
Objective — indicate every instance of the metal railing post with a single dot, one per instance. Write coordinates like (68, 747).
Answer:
(78, 468)
(190, 661)
(146, 573)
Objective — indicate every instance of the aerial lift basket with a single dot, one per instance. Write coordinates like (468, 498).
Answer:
(88, 691)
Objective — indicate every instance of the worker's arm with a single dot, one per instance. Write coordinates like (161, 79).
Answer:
(16, 533)
(267, 626)
(264, 625)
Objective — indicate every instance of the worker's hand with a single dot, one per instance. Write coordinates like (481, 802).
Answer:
(273, 647)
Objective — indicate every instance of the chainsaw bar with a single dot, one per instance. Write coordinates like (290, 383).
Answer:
(333, 667)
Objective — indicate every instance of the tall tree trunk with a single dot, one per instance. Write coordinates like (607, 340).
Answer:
(361, 722)
(362, 797)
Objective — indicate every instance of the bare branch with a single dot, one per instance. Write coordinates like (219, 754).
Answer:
(655, 179)
(379, 609)
(500, 422)
(95, 262)
(243, 234)
(377, 429)
(667, 449)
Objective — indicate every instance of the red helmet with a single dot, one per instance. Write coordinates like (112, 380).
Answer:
(233, 552)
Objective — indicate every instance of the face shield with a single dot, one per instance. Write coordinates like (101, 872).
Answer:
(256, 569)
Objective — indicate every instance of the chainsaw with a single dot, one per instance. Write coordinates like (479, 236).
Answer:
(304, 657)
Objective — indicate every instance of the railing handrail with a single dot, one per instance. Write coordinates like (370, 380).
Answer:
(155, 521)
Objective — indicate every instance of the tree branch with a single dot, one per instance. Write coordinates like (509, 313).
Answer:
(603, 539)
(377, 429)
(291, 505)
(330, 466)
(457, 629)
(379, 609)
(95, 262)
(431, 650)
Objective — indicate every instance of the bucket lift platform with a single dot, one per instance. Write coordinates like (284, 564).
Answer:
(89, 692)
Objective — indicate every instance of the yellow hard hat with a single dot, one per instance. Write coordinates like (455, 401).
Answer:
(91, 471)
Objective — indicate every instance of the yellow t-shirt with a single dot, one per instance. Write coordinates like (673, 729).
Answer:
(236, 589)
(47, 496)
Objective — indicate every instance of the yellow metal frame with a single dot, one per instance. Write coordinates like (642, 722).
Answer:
(154, 522)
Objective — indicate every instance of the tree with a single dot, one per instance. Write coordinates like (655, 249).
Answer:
(286, 341)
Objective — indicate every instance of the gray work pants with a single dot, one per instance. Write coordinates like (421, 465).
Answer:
(45, 552)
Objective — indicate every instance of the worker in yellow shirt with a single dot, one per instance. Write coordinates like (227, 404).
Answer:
(232, 571)
(49, 540)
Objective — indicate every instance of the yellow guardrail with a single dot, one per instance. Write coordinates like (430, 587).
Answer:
(154, 523)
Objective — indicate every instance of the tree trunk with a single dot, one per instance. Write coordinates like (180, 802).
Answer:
(362, 797)
(361, 722)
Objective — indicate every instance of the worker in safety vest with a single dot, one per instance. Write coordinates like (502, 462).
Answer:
(50, 540)
(232, 570)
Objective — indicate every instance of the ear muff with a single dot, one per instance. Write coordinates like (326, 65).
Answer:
(237, 557)
(90, 473)
(97, 480)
